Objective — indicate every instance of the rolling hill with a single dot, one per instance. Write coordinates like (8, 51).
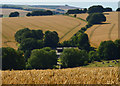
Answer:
(65, 26)
(101, 32)
(6, 12)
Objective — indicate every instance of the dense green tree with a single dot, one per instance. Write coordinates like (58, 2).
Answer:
(42, 59)
(117, 43)
(95, 9)
(29, 14)
(12, 59)
(107, 50)
(73, 57)
(14, 14)
(27, 33)
(76, 11)
(83, 41)
(96, 18)
(41, 13)
(93, 56)
(30, 44)
(108, 9)
(118, 9)
(18, 34)
(51, 39)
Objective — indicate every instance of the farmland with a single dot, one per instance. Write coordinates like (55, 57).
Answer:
(6, 12)
(79, 75)
(64, 25)
(101, 32)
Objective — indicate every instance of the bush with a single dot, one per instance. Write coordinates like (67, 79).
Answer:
(42, 59)
(12, 59)
(73, 57)
(96, 18)
(14, 14)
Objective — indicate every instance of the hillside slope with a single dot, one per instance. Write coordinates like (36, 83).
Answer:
(101, 32)
(6, 12)
(64, 25)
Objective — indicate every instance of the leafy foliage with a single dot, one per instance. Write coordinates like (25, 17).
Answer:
(95, 9)
(73, 57)
(12, 59)
(42, 59)
(96, 18)
(51, 39)
(14, 14)
(107, 50)
(76, 11)
(40, 13)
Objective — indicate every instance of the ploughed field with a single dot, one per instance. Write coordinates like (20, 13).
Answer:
(79, 75)
(106, 31)
(65, 26)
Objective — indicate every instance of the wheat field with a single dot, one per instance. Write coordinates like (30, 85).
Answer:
(65, 26)
(6, 12)
(79, 75)
(102, 32)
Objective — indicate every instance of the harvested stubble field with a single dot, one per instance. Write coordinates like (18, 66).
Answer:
(79, 75)
(101, 32)
(6, 12)
(64, 25)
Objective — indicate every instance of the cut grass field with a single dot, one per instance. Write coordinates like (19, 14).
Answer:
(79, 75)
(65, 26)
(102, 32)
(6, 12)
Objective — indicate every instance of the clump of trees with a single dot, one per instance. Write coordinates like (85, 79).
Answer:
(14, 14)
(98, 9)
(42, 59)
(35, 39)
(12, 59)
(73, 58)
(96, 18)
(40, 13)
(76, 11)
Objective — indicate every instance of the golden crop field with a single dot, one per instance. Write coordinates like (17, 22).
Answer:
(79, 75)
(102, 32)
(64, 25)
(6, 12)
